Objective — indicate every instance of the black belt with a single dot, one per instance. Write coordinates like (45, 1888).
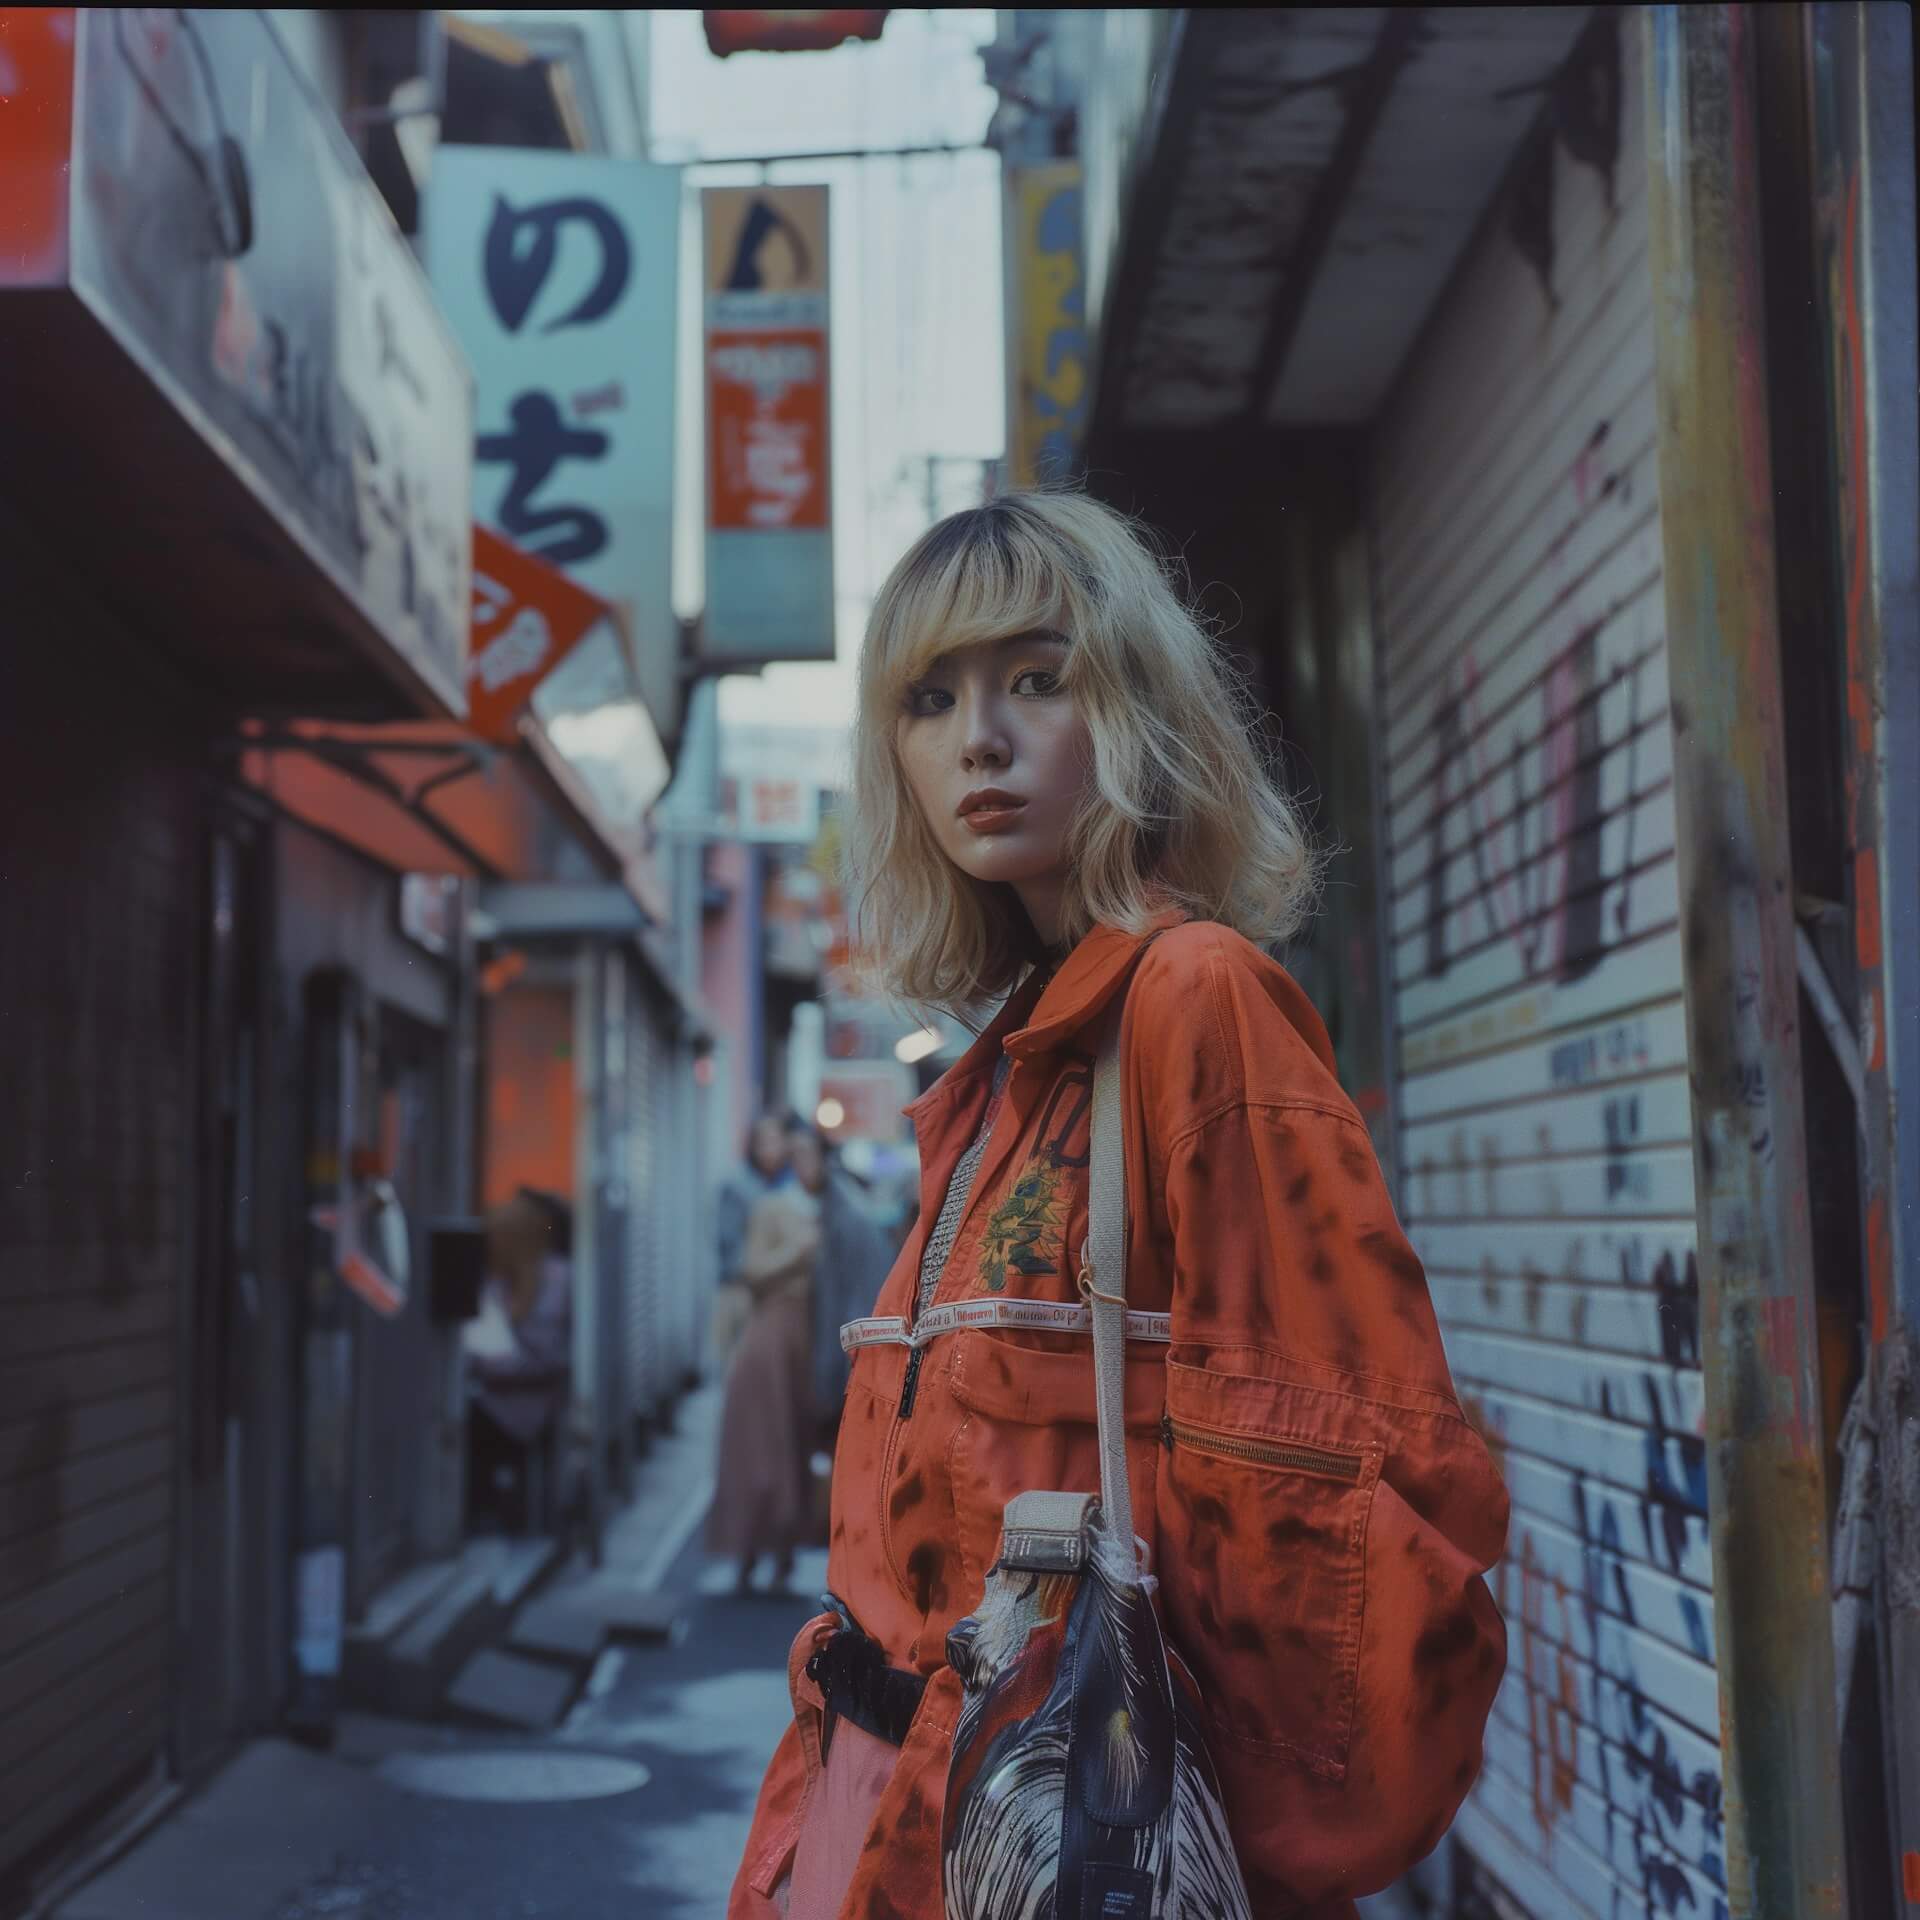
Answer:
(852, 1674)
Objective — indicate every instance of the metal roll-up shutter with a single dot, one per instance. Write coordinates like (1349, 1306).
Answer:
(1543, 1107)
(670, 1222)
(678, 1223)
(99, 1129)
(649, 1200)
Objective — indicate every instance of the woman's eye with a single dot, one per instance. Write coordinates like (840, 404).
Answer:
(926, 700)
(1037, 681)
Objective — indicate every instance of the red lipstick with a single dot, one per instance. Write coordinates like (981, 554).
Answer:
(990, 810)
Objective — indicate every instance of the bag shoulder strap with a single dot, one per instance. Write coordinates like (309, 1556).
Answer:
(1103, 1280)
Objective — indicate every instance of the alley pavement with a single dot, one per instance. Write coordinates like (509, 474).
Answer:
(635, 1808)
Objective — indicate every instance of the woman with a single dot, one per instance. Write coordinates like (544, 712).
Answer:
(1056, 800)
(763, 1167)
(765, 1475)
(519, 1356)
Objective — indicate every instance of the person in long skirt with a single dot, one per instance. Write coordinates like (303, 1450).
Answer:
(763, 1485)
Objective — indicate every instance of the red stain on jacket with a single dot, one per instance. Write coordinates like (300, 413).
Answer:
(1319, 1511)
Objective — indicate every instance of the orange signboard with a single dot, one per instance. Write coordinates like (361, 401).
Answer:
(767, 415)
(527, 617)
(36, 142)
(791, 29)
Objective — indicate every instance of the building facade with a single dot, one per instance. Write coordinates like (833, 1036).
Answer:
(1469, 359)
(274, 915)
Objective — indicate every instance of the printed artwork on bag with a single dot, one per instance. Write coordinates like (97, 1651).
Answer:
(1062, 1665)
(1025, 1235)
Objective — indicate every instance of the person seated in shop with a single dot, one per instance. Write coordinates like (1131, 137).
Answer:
(520, 1361)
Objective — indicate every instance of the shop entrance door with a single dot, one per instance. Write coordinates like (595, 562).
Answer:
(397, 1436)
(216, 1565)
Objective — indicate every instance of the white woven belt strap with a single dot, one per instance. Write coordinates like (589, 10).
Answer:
(1040, 1316)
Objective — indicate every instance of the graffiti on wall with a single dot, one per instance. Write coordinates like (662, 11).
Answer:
(1522, 782)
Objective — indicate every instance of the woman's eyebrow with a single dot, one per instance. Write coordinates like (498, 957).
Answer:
(1028, 636)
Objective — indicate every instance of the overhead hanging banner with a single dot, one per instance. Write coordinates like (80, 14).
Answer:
(527, 618)
(769, 522)
(559, 273)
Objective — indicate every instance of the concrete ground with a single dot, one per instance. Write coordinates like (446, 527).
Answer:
(636, 1808)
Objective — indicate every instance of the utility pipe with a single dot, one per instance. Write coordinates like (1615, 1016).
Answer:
(1785, 1848)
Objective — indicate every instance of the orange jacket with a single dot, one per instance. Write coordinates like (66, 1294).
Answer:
(1319, 1512)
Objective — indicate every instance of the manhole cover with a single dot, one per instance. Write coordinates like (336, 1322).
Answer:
(509, 1774)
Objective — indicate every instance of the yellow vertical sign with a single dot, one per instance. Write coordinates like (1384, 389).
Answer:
(1049, 376)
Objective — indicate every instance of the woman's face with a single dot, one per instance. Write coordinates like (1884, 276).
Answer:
(809, 1163)
(996, 756)
(769, 1148)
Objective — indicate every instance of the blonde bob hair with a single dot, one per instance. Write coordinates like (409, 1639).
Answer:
(1182, 809)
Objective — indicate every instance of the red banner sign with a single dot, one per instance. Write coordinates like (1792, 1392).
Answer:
(767, 400)
(794, 30)
(527, 617)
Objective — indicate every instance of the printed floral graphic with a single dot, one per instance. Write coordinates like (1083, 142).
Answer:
(1025, 1230)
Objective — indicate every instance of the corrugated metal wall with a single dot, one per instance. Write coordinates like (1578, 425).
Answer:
(671, 1170)
(98, 978)
(651, 1195)
(1546, 1174)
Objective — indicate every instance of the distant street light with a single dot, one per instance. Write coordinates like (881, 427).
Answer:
(917, 1045)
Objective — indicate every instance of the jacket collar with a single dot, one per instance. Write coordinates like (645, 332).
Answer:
(1088, 979)
(1039, 1016)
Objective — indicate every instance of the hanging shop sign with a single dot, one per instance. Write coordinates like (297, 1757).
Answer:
(1048, 387)
(559, 273)
(528, 617)
(769, 524)
(277, 420)
(794, 30)
(428, 905)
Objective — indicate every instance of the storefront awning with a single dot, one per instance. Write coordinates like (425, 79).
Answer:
(500, 798)
(224, 385)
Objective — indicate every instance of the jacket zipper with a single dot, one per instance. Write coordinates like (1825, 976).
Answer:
(911, 1384)
(1334, 1465)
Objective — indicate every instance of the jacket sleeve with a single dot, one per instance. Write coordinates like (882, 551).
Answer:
(1325, 1512)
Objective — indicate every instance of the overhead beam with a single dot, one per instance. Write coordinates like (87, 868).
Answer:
(1367, 88)
(1193, 37)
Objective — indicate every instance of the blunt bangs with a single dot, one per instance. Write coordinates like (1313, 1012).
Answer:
(976, 577)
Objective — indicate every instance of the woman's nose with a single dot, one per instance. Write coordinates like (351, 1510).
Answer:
(984, 743)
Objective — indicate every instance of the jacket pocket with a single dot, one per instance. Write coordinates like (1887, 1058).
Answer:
(1264, 1497)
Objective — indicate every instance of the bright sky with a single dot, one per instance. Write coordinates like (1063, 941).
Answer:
(918, 366)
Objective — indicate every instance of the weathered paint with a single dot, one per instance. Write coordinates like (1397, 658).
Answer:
(1545, 1117)
(1860, 76)
(1784, 1837)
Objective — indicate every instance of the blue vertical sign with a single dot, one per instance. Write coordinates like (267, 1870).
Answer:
(559, 273)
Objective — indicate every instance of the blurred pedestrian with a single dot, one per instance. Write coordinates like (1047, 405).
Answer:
(762, 1168)
(519, 1360)
(763, 1482)
(1058, 803)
